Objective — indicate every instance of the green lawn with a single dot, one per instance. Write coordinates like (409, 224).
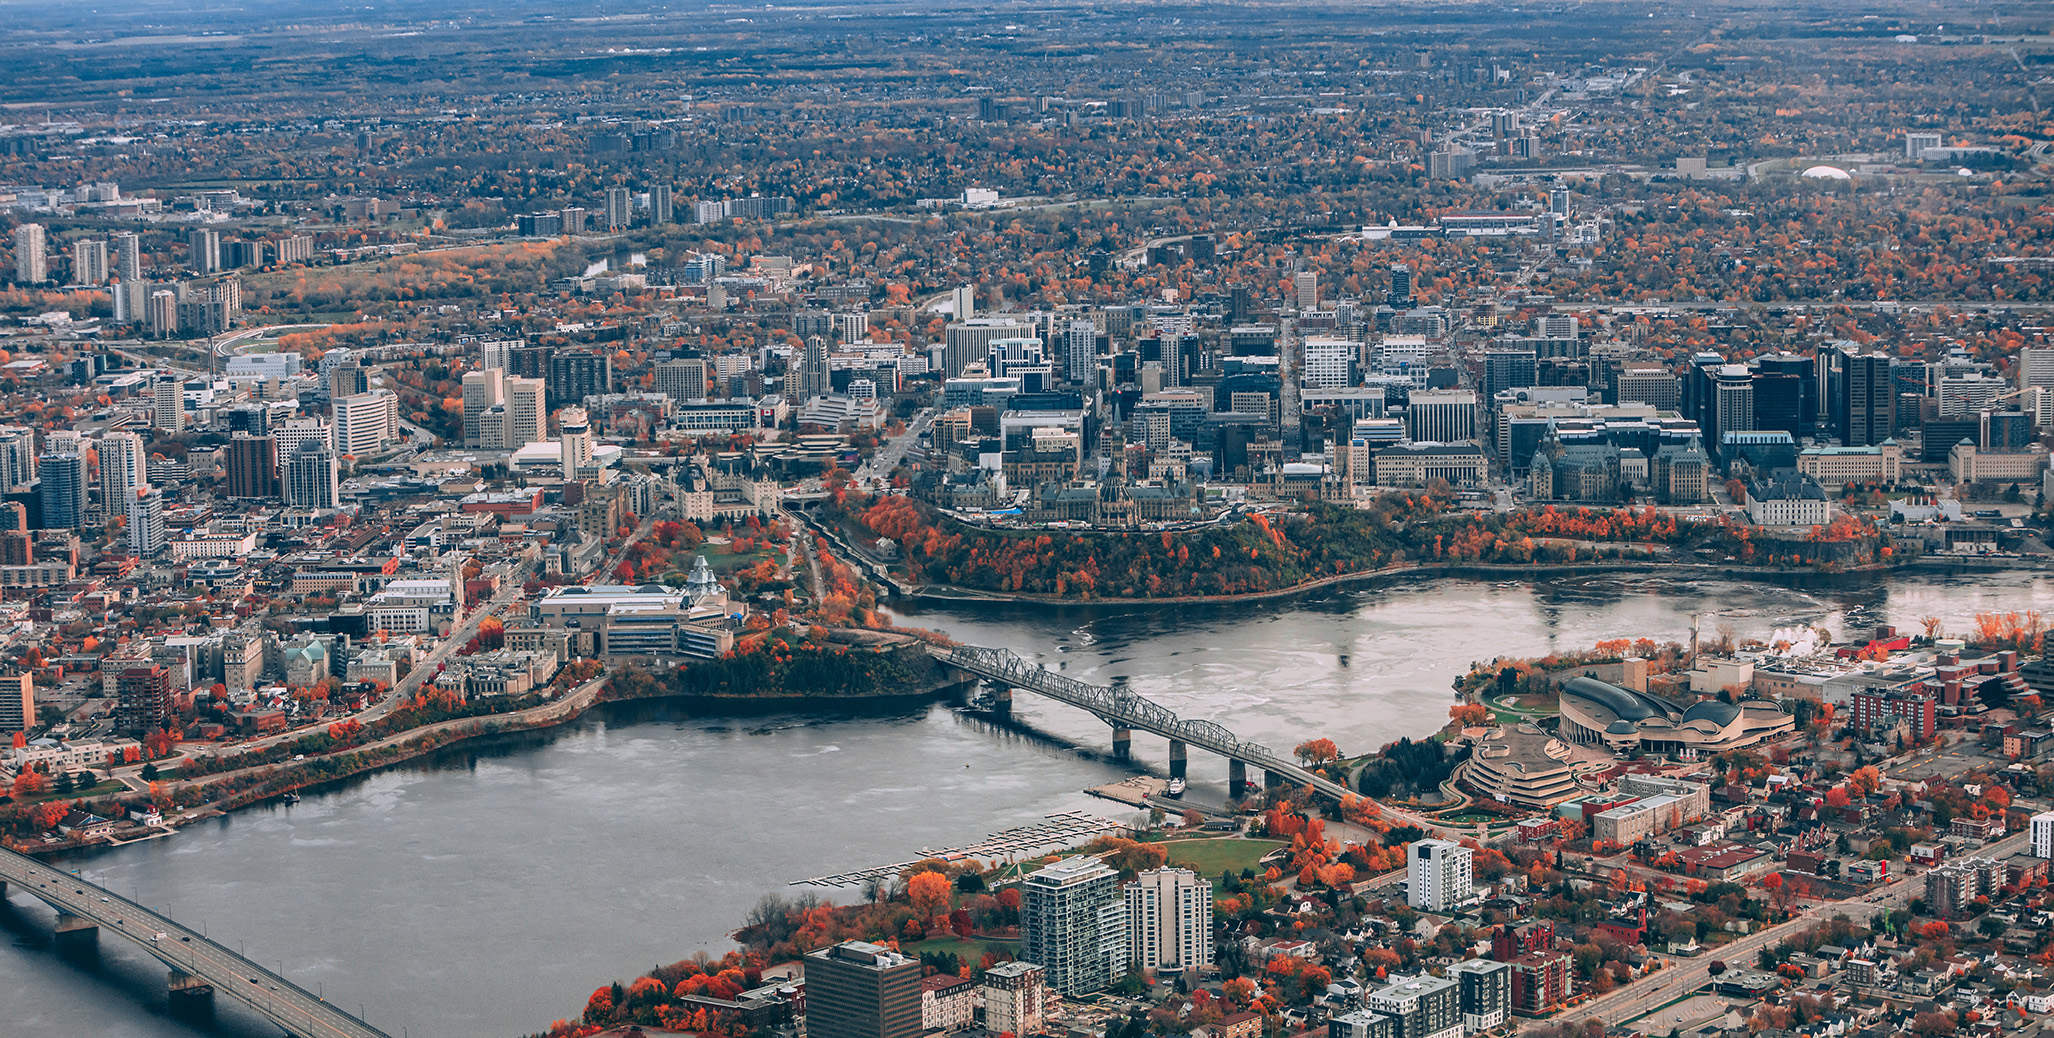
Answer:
(723, 561)
(104, 787)
(1211, 857)
(970, 951)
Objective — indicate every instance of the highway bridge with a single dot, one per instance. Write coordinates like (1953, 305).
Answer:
(199, 968)
(1125, 712)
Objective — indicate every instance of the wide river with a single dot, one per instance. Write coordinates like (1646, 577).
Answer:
(485, 891)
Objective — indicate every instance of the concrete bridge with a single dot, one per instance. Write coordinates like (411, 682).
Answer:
(199, 968)
(1125, 712)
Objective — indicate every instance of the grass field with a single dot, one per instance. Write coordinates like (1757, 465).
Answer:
(723, 561)
(104, 787)
(1211, 857)
(969, 951)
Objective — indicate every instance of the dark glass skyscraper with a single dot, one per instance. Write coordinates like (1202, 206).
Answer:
(577, 375)
(1785, 394)
(63, 491)
(1863, 397)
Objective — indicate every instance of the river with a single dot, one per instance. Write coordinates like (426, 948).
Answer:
(487, 889)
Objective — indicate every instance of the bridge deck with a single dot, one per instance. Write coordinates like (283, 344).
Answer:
(1122, 708)
(292, 1008)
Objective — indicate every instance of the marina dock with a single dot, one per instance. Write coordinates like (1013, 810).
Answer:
(1062, 829)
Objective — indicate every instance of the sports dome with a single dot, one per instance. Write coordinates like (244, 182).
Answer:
(1827, 173)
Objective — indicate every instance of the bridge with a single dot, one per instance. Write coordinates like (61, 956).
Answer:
(1125, 712)
(199, 968)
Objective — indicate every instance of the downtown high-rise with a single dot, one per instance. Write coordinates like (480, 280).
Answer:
(1169, 920)
(1073, 924)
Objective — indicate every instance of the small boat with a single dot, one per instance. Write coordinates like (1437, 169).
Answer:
(290, 798)
(1176, 789)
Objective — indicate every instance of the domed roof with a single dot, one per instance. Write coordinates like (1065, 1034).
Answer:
(1622, 727)
(1721, 714)
(1623, 704)
(1827, 173)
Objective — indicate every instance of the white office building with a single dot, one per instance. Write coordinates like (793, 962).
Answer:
(1438, 875)
(1169, 919)
(1080, 351)
(484, 390)
(167, 400)
(292, 432)
(1330, 363)
(88, 261)
(682, 379)
(365, 422)
(2041, 828)
(31, 254)
(526, 412)
(123, 469)
(1305, 286)
(1441, 416)
(577, 440)
(145, 513)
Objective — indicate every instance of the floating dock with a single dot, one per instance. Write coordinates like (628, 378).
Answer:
(1062, 829)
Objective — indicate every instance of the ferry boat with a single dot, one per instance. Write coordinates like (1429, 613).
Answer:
(1176, 790)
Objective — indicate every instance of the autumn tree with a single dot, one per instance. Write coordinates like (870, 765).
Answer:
(929, 892)
(1866, 779)
(30, 783)
(1317, 751)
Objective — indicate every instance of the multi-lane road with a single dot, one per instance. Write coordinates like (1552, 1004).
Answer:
(886, 458)
(294, 1009)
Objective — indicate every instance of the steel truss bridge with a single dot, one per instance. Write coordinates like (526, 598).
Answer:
(1125, 711)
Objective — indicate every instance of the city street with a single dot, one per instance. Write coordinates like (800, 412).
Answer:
(1684, 976)
(424, 669)
(892, 451)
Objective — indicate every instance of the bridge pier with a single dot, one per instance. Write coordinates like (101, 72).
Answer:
(1002, 701)
(1123, 743)
(192, 998)
(1237, 779)
(76, 934)
(186, 986)
(1177, 763)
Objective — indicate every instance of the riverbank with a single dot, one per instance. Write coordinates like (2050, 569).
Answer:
(265, 782)
(614, 810)
(271, 780)
(1422, 572)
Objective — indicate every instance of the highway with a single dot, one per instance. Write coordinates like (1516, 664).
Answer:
(1684, 976)
(294, 1009)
